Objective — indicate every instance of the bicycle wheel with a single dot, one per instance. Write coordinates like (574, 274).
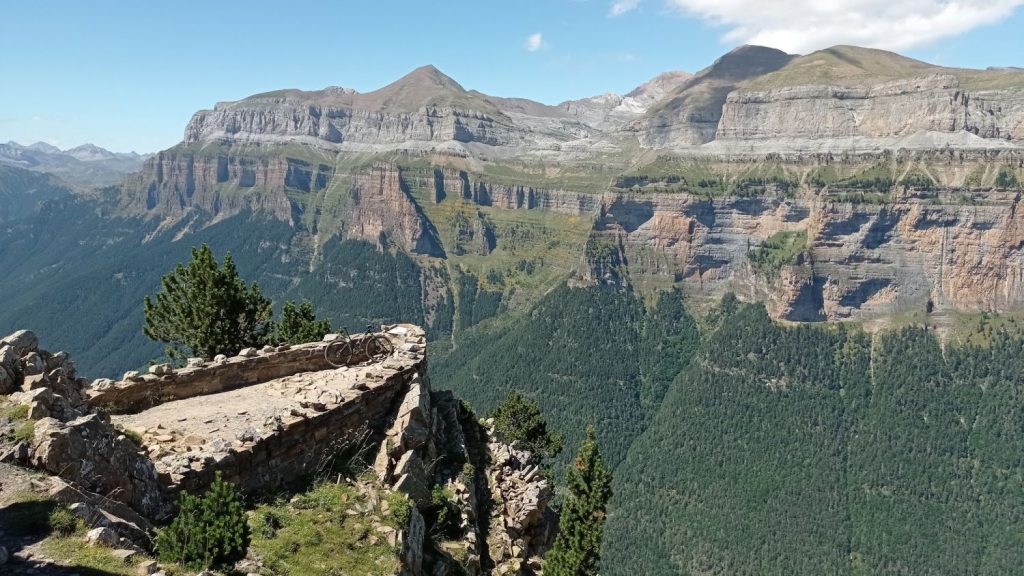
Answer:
(378, 346)
(338, 352)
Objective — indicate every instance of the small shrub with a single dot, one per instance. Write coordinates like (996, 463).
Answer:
(63, 522)
(210, 531)
(400, 508)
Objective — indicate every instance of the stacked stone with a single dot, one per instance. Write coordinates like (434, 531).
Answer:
(522, 524)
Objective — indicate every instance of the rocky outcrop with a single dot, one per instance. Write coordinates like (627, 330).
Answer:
(522, 526)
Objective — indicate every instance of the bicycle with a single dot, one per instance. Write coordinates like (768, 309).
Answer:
(376, 345)
(338, 351)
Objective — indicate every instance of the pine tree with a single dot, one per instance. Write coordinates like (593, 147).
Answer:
(577, 548)
(210, 531)
(299, 324)
(520, 420)
(207, 310)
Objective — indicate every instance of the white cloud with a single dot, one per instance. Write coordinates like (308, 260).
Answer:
(806, 25)
(620, 7)
(535, 42)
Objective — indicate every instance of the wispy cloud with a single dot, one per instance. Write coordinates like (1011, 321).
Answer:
(807, 25)
(620, 7)
(535, 42)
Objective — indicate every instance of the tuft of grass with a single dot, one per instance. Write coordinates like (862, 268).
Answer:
(63, 522)
(25, 431)
(14, 411)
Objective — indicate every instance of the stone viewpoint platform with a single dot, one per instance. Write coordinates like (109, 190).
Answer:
(262, 419)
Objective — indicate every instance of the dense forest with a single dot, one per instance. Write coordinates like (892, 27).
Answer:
(817, 450)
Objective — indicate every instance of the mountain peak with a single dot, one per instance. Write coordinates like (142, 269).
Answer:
(428, 75)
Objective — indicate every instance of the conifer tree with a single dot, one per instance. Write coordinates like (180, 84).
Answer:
(520, 420)
(210, 531)
(207, 310)
(299, 324)
(577, 549)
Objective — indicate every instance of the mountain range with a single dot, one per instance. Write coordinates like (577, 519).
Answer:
(82, 167)
(596, 255)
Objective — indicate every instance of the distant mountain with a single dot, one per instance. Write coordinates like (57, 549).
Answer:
(83, 167)
(23, 192)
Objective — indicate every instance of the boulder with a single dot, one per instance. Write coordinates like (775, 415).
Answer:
(23, 342)
(248, 352)
(195, 362)
(103, 536)
(148, 567)
(8, 384)
(415, 489)
(33, 363)
(10, 370)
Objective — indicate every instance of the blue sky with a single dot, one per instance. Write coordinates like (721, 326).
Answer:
(128, 75)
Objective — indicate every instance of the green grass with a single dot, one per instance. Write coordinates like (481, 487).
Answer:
(25, 431)
(71, 551)
(313, 535)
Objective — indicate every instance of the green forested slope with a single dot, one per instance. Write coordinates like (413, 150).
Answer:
(589, 355)
(778, 452)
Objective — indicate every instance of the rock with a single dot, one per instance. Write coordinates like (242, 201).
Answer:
(332, 337)
(8, 384)
(131, 375)
(35, 380)
(160, 369)
(220, 358)
(83, 511)
(195, 362)
(22, 341)
(33, 363)
(413, 542)
(4, 555)
(103, 536)
(382, 463)
(148, 567)
(102, 384)
(123, 554)
(248, 352)
(415, 489)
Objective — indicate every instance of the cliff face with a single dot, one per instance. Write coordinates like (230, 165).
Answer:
(932, 103)
(858, 260)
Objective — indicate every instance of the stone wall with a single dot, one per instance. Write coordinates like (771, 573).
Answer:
(163, 384)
